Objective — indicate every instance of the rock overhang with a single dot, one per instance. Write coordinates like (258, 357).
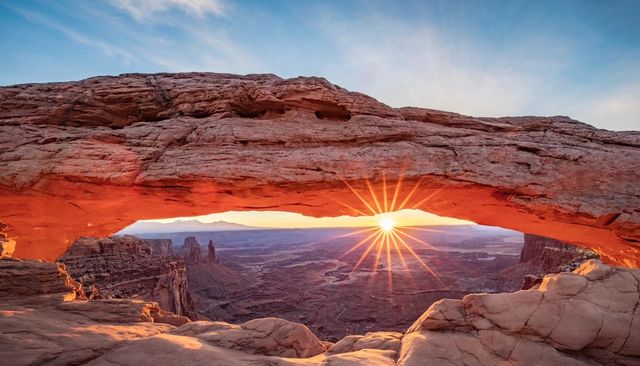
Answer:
(88, 158)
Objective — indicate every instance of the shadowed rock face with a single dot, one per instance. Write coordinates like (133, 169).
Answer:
(88, 158)
(162, 247)
(192, 251)
(125, 267)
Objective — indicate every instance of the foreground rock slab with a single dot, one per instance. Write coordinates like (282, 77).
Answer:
(589, 316)
(88, 158)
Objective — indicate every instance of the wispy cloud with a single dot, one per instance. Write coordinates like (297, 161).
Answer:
(408, 65)
(145, 9)
(105, 47)
(404, 64)
(140, 47)
(616, 110)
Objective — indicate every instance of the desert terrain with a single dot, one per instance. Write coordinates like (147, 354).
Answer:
(303, 275)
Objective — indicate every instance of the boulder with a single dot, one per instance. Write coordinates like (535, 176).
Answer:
(591, 314)
(265, 336)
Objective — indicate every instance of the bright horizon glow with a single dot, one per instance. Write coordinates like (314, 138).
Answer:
(386, 224)
(284, 219)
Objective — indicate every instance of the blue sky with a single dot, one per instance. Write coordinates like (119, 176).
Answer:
(484, 58)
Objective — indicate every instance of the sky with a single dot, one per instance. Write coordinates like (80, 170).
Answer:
(483, 58)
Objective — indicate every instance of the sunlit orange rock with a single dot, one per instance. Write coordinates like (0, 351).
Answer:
(88, 158)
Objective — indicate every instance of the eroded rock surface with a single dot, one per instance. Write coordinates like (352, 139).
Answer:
(372, 340)
(584, 317)
(192, 251)
(46, 323)
(88, 158)
(266, 336)
(125, 267)
(161, 247)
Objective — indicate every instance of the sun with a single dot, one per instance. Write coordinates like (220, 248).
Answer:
(388, 239)
(386, 224)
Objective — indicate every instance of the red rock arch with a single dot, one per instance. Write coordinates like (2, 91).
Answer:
(91, 157)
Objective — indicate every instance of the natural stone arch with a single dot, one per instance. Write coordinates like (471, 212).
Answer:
(91, 157)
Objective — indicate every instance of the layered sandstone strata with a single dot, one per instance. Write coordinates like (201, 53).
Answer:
(542, 255)
(161, 247)
(88, 158)
(125, 267)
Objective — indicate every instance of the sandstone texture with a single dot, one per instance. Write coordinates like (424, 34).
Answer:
(88, 158)
(125, 267)
(589, 316)
(44, 321)
(372, 340)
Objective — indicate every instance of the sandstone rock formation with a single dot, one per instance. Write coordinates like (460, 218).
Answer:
(43, 320)
(124, 267)
(211, 253)
(24, 279)
(553, 256)
(576, 318)
(161, 247)
(266, 336)
(192, 251)
(88, 158)
(372, 340)
(542, 255)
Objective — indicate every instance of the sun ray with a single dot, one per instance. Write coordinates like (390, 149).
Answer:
(389, 264)
(380, 247)
(364, 255)
(386, 241)
(373, 195)
(417, 205)
(415, 255)
(347, 206)
(404, 262)
(384, 192)
(356, 232)
(406, 199)
(360, 243)
(418, 240)
(396, 191)
(373, 212)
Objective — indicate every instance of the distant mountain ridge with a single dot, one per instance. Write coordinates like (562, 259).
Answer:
(184, 226)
